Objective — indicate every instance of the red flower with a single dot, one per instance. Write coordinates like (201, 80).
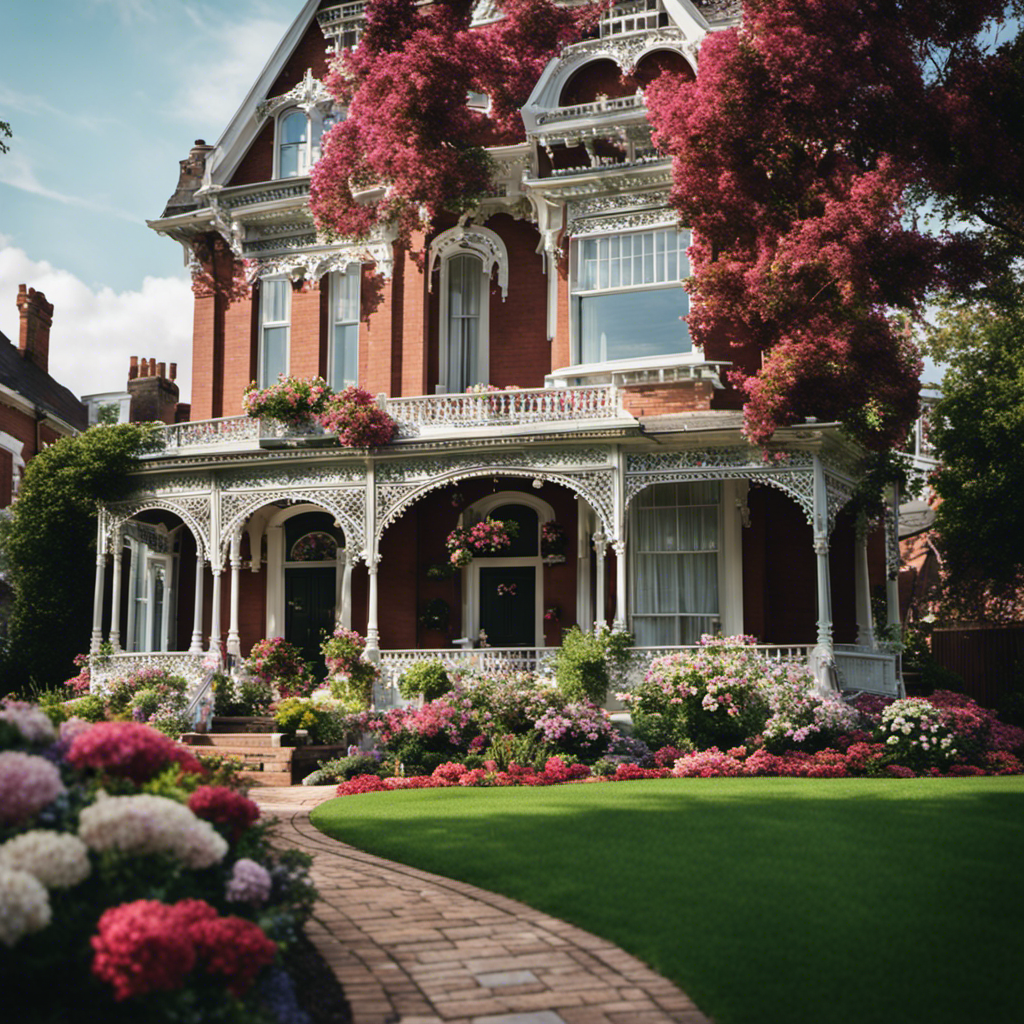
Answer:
(233, 947)
(129, 750)
(141, 948)
(223, 806)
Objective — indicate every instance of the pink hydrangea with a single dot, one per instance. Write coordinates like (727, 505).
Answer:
(705, 764)
(27, 785)
(33, 723)
(129, 750)
(225, 807)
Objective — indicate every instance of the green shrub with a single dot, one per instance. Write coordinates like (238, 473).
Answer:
(429, 678)
(323, 724)
(92, 707)
(354, 690)
(339, 769)
(527, 750)
(584, 662)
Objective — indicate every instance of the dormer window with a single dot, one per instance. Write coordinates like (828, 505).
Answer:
(294, 155)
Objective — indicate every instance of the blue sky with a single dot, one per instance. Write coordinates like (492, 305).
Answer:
(104, 97)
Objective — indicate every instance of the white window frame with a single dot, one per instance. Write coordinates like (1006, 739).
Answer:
(486, 246)
(353, 270)
(577, 294)
(310, 152)
(266, 324)
(721, 568)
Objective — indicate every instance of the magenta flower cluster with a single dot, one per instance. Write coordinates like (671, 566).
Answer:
(488, 537)
(355, 417)
(292, 400)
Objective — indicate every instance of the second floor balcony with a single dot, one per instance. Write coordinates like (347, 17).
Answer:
(425, 417)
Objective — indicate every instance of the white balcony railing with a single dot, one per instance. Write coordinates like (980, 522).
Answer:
(502, 408)
(416, 416)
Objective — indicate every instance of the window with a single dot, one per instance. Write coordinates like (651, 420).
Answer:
(675, 563)
(298, 139)
(627, 299)
(464, 286)
(275, 316)
(343, 359)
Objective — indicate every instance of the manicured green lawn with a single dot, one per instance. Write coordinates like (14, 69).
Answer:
(769, 901)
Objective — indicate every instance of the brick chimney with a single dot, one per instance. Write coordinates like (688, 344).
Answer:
(36, 320)
(153, 392)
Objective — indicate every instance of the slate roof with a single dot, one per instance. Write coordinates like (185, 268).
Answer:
(38, 387)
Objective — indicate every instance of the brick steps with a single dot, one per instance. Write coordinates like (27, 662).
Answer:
(253, 742)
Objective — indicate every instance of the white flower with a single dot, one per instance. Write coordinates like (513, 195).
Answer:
(250, 882)
(24, 905)
(57, 859)
(151, 824)
(33, 724)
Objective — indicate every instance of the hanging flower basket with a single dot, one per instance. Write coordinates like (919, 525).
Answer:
(490, 537)
(552, 539)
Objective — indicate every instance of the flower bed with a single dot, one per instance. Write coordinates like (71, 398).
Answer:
(141, 879)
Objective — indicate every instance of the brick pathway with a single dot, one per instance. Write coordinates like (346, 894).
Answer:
(413, 948)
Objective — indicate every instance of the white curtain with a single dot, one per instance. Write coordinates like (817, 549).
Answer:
(675, 563)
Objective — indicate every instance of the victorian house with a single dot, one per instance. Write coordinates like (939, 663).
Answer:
(611, 440)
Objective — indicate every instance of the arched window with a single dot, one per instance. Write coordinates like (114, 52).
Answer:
(293, 144)
(463, 333)
(467, 256)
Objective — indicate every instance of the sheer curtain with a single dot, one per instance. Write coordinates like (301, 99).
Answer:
(465, 277)
(675, 563)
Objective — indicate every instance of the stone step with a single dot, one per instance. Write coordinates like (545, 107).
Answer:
(260, 740)
(252, 723)
(266, 778)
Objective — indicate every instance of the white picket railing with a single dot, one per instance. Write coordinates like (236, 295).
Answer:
(211, 432)
(861, 668)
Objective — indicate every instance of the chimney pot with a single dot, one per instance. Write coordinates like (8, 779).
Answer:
(174, 371)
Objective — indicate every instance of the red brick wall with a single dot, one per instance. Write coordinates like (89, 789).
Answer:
(311, 52)
(657, 399)
(20, 425)
(520, 353)
(304, 337)
(258, 163)
(203, 329)
(560, 344)
(239, 356)
(6, 477)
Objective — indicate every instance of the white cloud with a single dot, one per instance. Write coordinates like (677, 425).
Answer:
(230, 53)
(17, 171)
(95, 332)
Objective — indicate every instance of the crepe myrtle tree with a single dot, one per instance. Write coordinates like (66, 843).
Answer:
(810, 132)
(409, 129)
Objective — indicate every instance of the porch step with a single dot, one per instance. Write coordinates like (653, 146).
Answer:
(267, 778)
(251, 724)
(249, 740)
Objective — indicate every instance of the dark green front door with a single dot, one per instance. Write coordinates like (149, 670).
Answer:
(309, 611)
(508, 605)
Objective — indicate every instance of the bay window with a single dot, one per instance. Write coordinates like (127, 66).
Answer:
(627, 298)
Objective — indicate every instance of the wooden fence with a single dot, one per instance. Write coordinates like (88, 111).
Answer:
(987, 658)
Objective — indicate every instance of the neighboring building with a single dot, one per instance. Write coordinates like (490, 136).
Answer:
(565, 284)
(151, 395)
(35, 410)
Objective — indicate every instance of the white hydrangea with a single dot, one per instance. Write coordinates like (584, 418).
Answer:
(33, 724)
(57, 859)
(151, 824)
(24, 905)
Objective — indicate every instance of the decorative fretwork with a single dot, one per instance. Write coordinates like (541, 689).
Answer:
(794, 476)
(625, 50)
(269, 193)
(332, 474)
(347, 506)
(194, 512)
(403, 482)
(210, 432)
(313, 265)
(481, 241)
(309, 94)
(719, 10)
(637, 220)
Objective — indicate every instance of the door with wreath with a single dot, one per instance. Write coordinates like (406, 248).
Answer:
(508, 599)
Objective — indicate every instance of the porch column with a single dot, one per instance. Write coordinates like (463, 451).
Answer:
(823, 656)
(372, 651)
(97, 594)
(345, 618)
(196, 647)
(234, 642)
(217, 570)
(862, 589)
(892, 556)
(115, 594)
(619, 547)
(600, 615)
